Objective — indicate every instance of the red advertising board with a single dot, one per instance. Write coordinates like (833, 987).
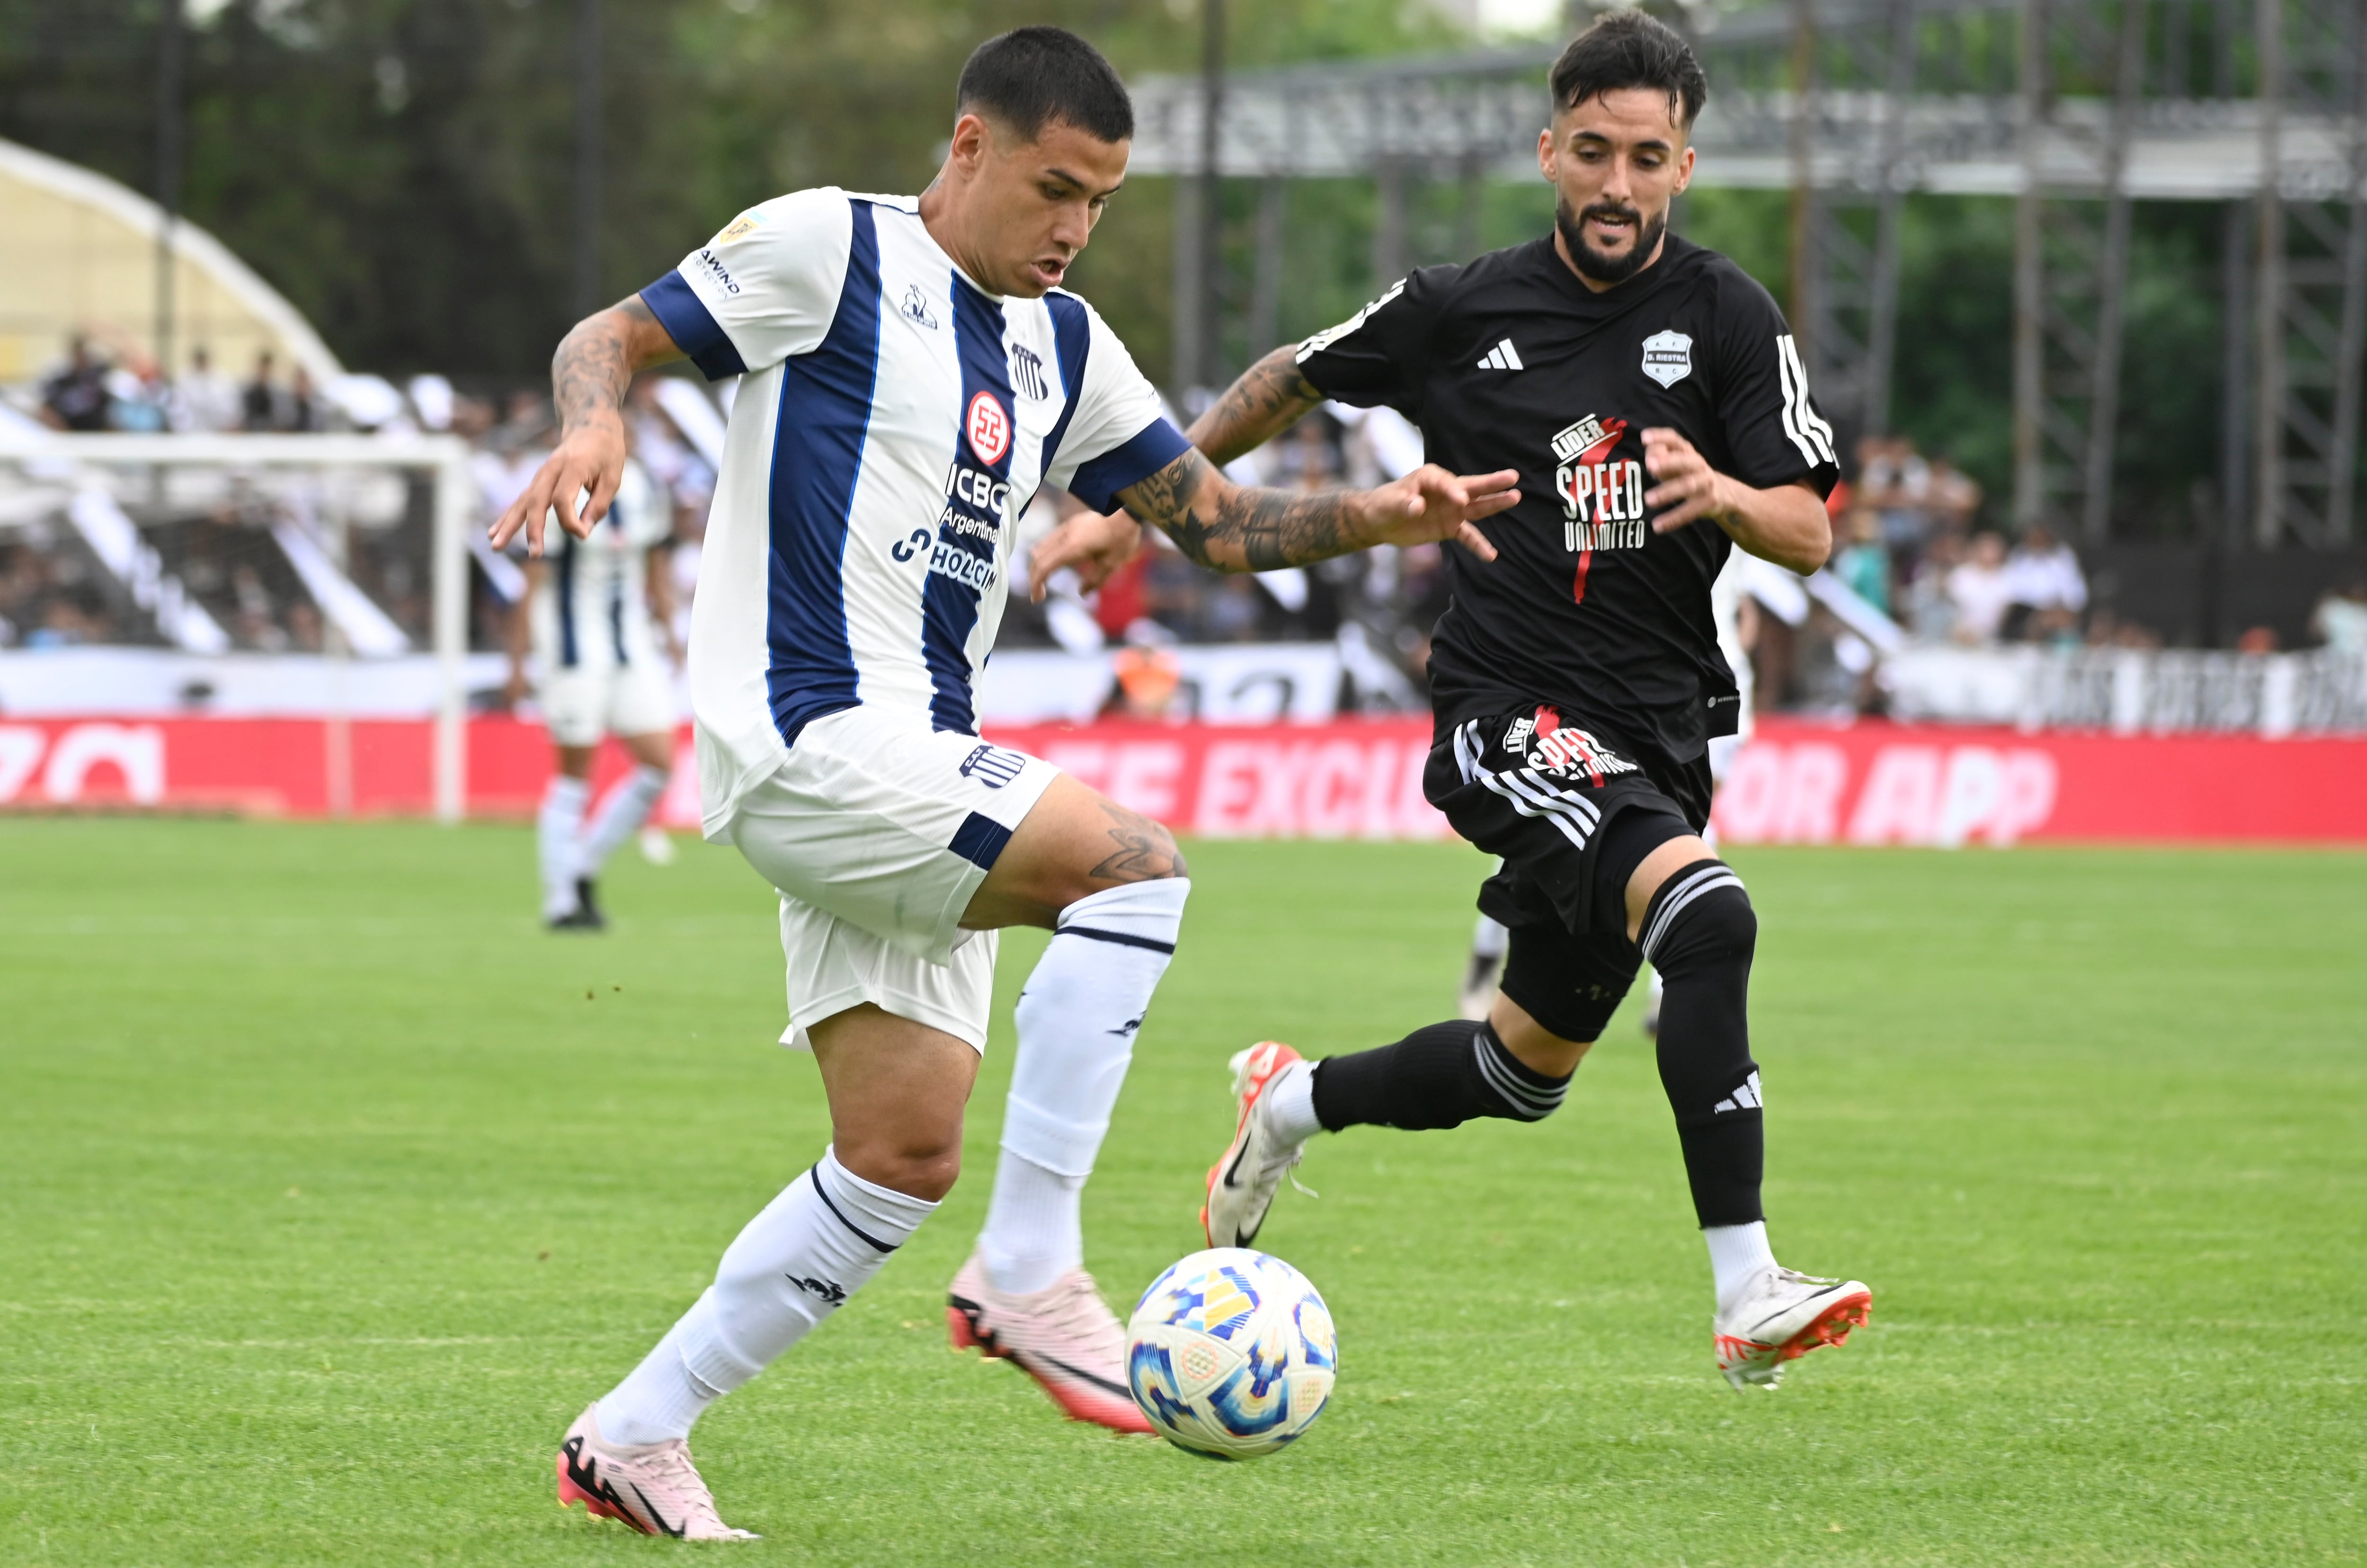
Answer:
(1795, 783)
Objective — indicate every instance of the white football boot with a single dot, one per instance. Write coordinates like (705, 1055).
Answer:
(1242, 1182)
(654, 1489)
(1064, 1337)
(1781, 1316)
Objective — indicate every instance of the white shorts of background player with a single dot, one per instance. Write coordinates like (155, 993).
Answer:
(583, 703)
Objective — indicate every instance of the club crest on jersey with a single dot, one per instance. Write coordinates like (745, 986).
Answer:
(988, 426)
(1669, 357)
(1027, 374)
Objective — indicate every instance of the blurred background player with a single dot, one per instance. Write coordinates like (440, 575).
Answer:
(601, 614)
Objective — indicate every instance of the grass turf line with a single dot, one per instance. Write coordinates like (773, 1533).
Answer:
(334, 1189)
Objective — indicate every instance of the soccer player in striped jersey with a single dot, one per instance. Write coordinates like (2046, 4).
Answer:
(913, 372)
(600, 614)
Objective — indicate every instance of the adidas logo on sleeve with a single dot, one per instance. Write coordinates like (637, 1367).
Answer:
(1504, 357)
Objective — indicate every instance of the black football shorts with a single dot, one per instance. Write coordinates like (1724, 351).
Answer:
(1572, 818)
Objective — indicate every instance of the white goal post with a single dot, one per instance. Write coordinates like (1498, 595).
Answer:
(55, 456)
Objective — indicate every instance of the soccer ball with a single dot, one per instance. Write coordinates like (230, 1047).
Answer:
(1232, 1354)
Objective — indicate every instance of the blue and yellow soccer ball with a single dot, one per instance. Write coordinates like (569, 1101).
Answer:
(1232, 1354)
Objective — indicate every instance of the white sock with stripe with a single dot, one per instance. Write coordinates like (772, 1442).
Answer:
(621, 813)
(558, 834)
(1077, 1021)
(790, 1267)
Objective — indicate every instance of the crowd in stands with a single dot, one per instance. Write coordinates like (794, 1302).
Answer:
(129, 392)
(1913, 541)
(1908, 541)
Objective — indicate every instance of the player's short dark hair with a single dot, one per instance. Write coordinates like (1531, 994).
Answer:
(1628, 49)
(1029, 77)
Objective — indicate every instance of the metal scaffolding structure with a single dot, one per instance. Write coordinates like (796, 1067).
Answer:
(2076, 109)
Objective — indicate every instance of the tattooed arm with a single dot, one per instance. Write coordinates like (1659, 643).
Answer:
(1234, 527)
(1270, 397)
(589, 374)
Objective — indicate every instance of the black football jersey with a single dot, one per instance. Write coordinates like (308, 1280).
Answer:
(1511, 361)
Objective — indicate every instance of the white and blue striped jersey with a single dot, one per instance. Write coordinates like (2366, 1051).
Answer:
(894, 422)
(593, 611)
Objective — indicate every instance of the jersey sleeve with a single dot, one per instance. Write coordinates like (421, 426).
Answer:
(1380, 355)
(763, 288)
(1774, 434)
(1116, 432)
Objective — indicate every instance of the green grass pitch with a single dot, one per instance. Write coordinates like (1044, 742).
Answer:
(330, 1189)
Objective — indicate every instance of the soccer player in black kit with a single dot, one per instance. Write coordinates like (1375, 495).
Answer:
(1653, 402)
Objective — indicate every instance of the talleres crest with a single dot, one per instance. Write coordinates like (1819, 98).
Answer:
(1669, 357)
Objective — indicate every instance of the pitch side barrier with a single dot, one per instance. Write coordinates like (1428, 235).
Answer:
(1794, 783)
(80, 471)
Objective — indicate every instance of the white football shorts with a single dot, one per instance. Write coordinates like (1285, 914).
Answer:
(876, 832)
(585, 703)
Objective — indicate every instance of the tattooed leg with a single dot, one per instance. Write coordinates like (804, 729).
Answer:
(1075, 844)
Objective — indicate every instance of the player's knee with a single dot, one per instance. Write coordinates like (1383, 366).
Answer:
(919, 1163)
(1701, 918)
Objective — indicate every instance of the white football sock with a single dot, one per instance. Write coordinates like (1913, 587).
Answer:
(791, 1267)
(558, 832)
(1077, 1017)
(1737, 1254)
(621, 813)
(1289, 1102)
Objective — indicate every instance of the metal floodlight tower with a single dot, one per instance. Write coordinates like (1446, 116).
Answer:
(2077, 109)
(2312, 271)
(2072, 218)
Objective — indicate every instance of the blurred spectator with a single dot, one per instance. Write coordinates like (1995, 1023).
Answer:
(1979, 591)
(2259, 640)
(75, 398)
(2106, 629)
(252, 624)
(209, 400)
(1148, 675)
(1894, 481)
(303, 409)
(2045, 590)
(137, 399)
(2340, 620)
(259, 400)
(1862, 564)
(1955, 497)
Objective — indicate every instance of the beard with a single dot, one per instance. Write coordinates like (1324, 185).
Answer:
(1593, 264)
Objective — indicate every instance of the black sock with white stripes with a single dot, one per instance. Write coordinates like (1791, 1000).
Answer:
(1439, 1076)
(1700, 934)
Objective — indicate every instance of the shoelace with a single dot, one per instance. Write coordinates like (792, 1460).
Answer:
(1079, 1311)
(1290, 1168)
(678, 1475)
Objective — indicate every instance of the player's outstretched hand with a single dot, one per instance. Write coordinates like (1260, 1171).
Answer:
(577, 482)
(1094, 546)
(1688, 487)
(1430, 504)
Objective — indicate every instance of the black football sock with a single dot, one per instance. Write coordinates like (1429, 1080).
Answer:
(1439, 1076)
(1700, 934)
